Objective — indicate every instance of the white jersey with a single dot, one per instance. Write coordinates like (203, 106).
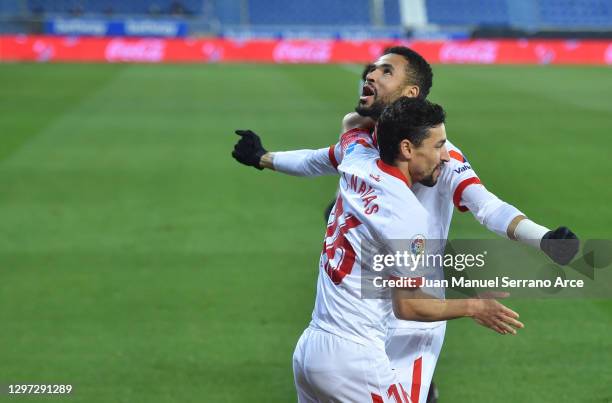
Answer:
(439, 202)
(374, 205)
(440, 199)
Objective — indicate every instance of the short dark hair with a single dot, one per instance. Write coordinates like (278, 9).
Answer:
(418, 71)
(406, 118)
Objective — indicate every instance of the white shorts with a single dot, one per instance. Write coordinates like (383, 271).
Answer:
(329, 368)
(413, 353)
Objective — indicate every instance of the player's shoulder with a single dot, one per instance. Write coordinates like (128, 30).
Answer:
(355, 145)
(356, 135)
(400, 200)
(455, 152)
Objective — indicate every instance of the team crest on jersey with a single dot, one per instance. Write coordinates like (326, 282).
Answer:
(418, 245)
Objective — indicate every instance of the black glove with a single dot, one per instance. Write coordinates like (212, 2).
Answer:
(561, 245)
(248, 150)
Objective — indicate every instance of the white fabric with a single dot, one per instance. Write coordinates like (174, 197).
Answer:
(373, 206)
(410, 349)
(530, 233)
(341, 357)
(489, 210)
(438, 201)
(328, 368)
(304, 162)
(406, 341)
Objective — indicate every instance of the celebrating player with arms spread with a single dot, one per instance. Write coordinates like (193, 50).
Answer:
(341, 355)
(403, 72)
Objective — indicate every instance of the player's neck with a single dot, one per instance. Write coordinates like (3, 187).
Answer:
(397, 169)
(402, 166)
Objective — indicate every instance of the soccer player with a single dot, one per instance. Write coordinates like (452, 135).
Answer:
(341, 356)
(403, 72)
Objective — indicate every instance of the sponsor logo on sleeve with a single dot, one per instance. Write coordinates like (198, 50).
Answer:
(462, 168)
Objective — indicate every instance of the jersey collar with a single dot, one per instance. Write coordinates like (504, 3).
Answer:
(393, 171)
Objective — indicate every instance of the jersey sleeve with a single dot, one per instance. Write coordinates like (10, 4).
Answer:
(350, 141)
(468, 193)
(489, 210)
(459, 176)
(306, 162)
(323, 161)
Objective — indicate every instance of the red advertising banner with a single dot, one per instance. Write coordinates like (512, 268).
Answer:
(148, 50)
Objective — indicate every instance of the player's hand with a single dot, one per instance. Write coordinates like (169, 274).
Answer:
(560, 244)
(248, 150)
(354, 120)
(490, 313)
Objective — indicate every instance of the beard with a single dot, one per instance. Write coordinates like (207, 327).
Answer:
(429, 180)
(373, 111)
(378, 106)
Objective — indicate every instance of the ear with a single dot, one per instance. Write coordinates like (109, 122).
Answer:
(406, 150)
(411, 91)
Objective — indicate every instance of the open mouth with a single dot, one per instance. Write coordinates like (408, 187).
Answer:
(367, 91)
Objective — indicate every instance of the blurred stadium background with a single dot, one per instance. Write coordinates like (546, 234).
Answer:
(140, 263)
(327, 18)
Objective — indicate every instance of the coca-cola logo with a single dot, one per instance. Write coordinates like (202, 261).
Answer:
(545, 54)
(146, 50)
(306, 52)
(474, 52)
(212, 53)
(44, 51)
(608, 55)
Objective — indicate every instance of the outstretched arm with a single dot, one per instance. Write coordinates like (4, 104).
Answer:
(302, 162)
(249, 151)
(561, 245)
(323, 161)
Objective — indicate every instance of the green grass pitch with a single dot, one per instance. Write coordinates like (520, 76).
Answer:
(140, 263)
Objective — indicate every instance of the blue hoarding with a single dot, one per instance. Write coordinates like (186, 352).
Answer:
(127, 27)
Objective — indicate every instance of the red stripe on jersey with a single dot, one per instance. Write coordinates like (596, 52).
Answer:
(405, 395)
(393, 171)
(332, 156)
(459, 191)
(416, 379)
(454, 154)
(364, 143)
(376, 398)
(355, 130)
(395, 394)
